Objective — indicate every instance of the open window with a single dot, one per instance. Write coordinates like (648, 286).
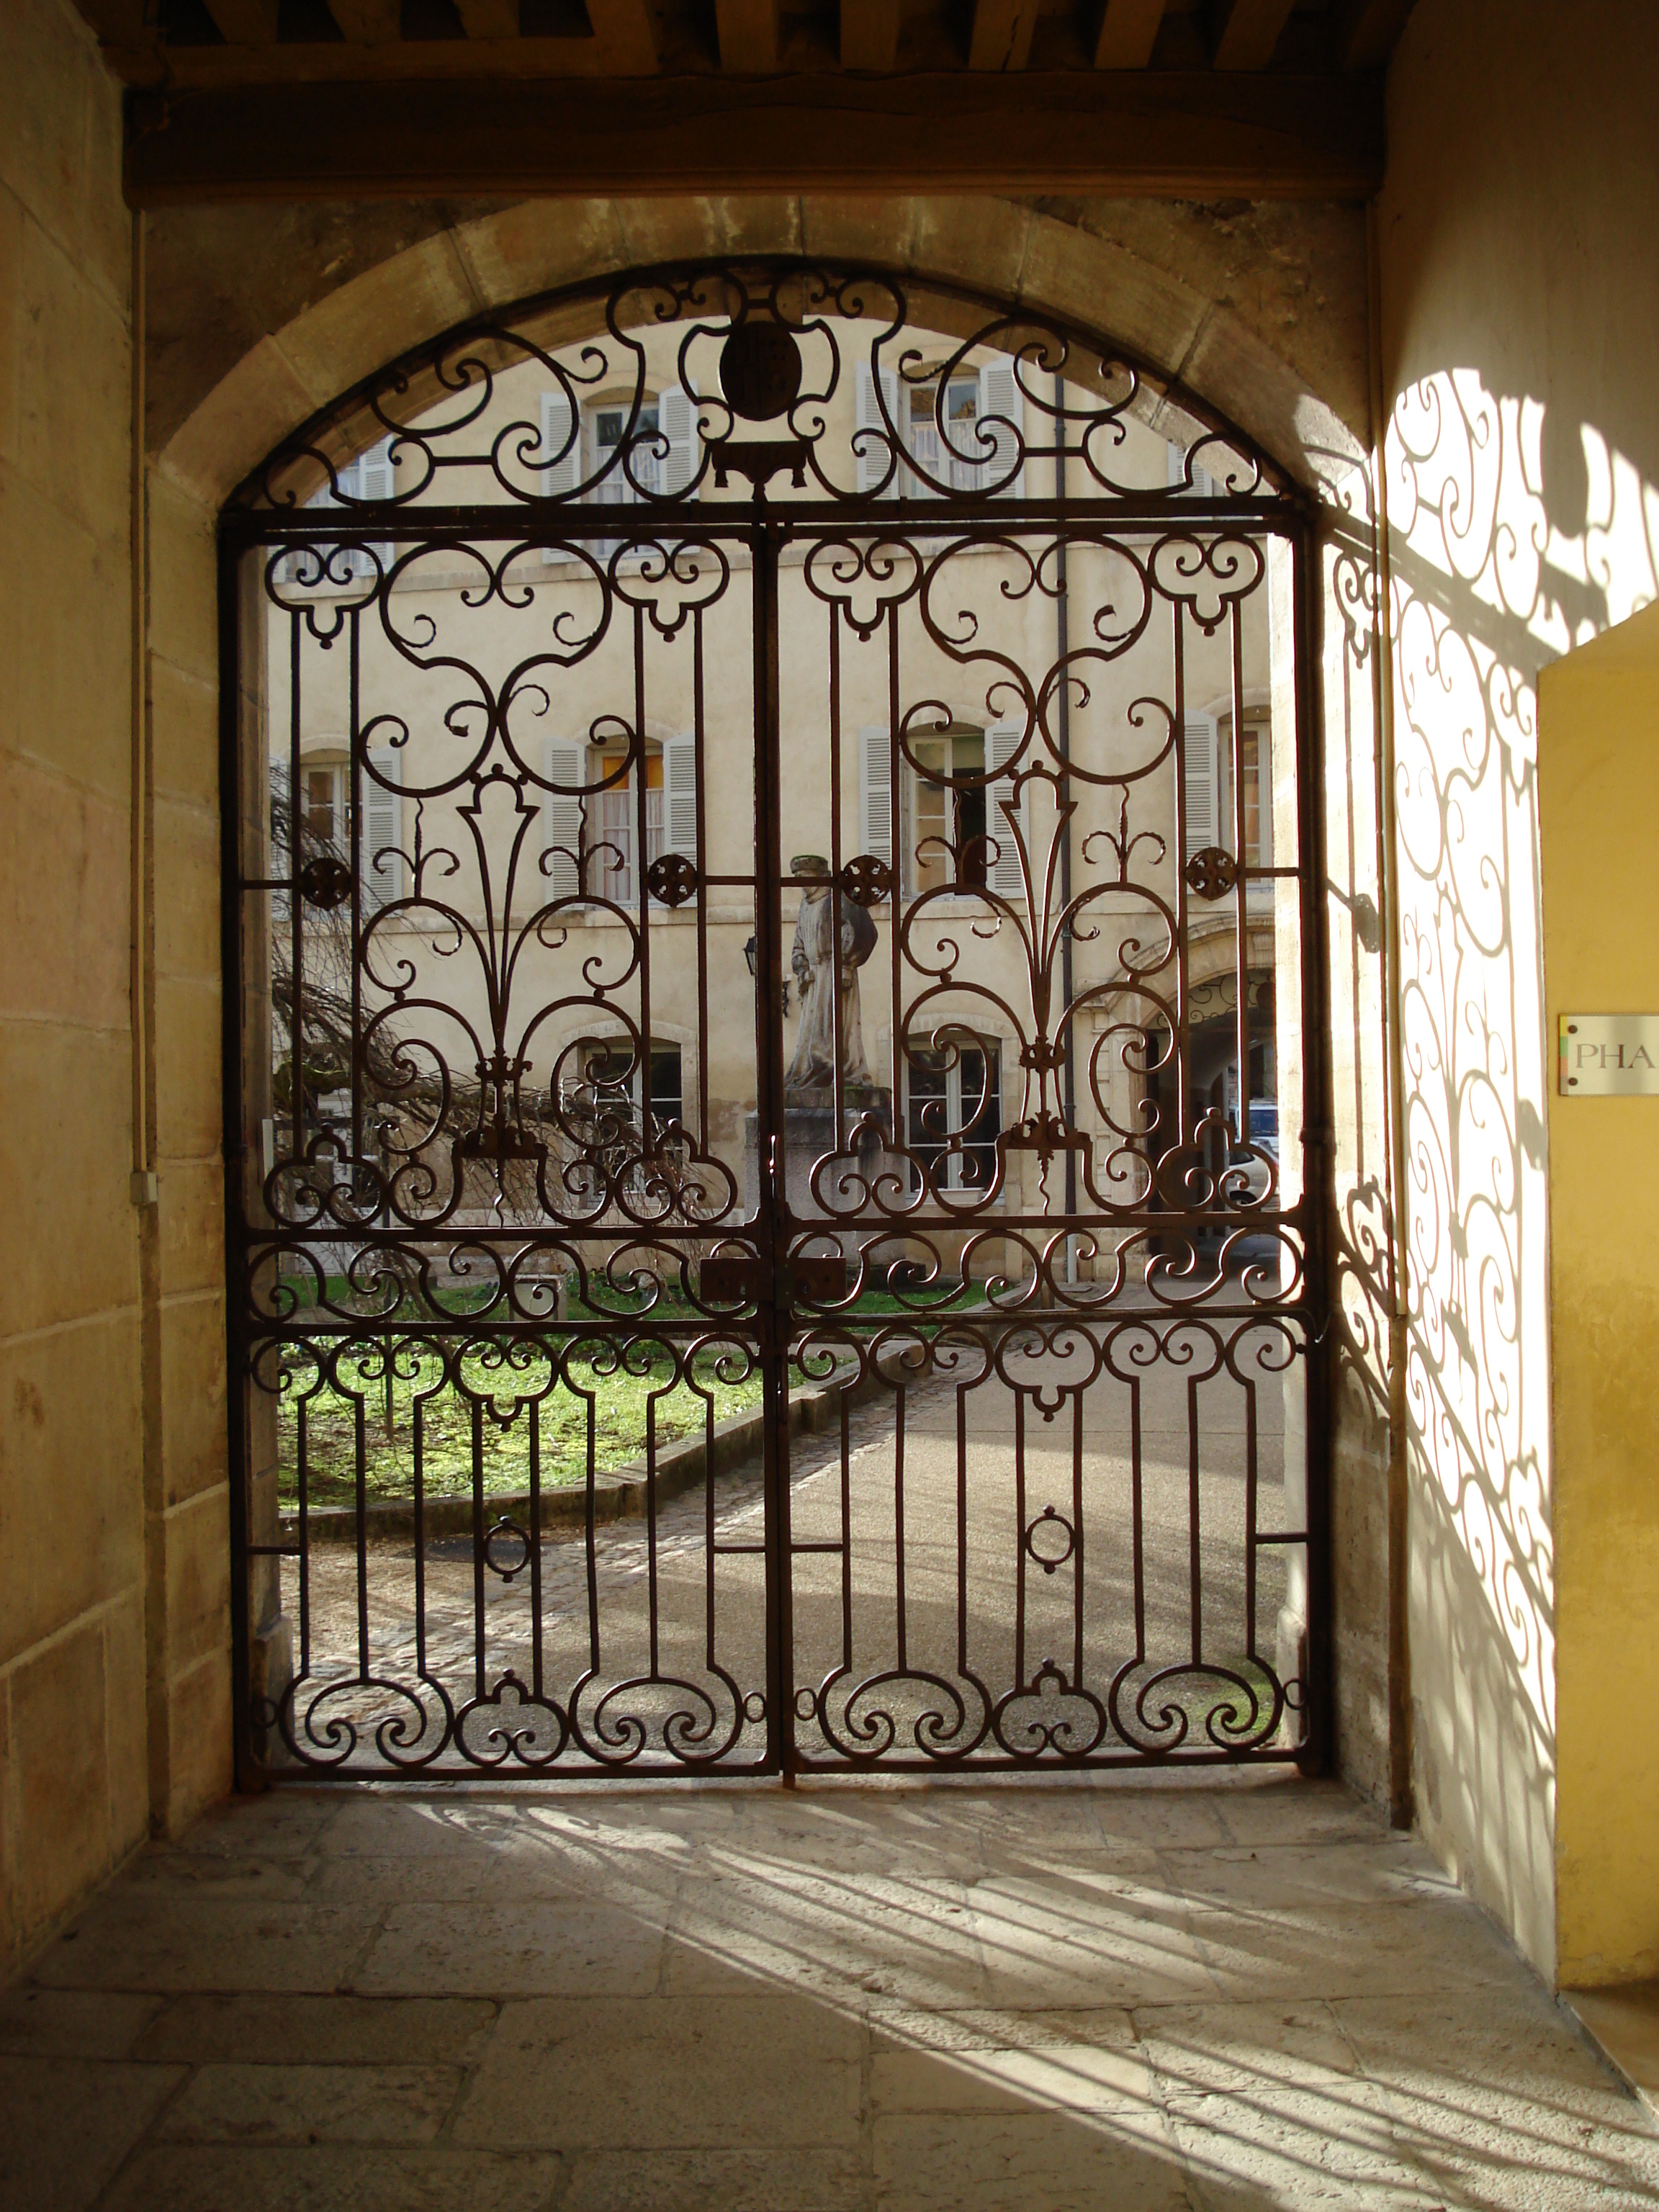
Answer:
(592, 847)
(962, 429)
(955, 830)
(620, 455)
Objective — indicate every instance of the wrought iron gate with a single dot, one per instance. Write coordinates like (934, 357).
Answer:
(775, 1195)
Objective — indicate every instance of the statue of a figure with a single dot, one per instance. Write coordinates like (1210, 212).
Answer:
(813, 1067)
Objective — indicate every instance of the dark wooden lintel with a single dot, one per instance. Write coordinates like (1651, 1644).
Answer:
(1204, 135)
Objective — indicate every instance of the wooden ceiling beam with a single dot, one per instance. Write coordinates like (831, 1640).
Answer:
(1199, 135)
(1246, 31)
(488, 19)
(117, 23)
(869, 34)
(1001, 36)
(368, 22)
(748, 33)
(1129, 31)
(1369, 31)
(245, 22)
(624, 37)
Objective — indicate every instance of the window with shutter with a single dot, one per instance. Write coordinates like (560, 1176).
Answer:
(1202, 485)
(1002, 411)
(679, 776)
(677, 416)
(561, 449)
(373, 479)
(1200, 782)
(382, 859)
(876, 794)
(1008, 876)
(875, 449)
(561, 816)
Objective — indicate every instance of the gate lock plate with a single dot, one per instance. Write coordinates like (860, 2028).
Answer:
(740, 1279)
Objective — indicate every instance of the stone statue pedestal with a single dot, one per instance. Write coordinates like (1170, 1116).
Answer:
(809, 1132)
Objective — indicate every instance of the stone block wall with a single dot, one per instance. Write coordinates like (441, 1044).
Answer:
(74, 1795)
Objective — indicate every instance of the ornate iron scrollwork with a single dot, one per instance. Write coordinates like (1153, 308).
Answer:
(544, 1272)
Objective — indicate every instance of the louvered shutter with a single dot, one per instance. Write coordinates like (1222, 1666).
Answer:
(677, 419)
(999, 396)
(376, 481)
(679, 796)
(1202, 486)
(559, 472)
(876, 794)
(1001, 742)
(382, 863)
(876, 452)
(561, 816)
(280, 854)
(1200, 782)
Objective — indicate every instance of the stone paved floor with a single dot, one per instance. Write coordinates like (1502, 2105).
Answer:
(1177, 1996)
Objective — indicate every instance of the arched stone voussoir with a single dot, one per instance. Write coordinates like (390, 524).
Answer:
(492, 260)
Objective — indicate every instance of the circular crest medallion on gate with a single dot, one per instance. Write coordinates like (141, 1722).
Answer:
(1212, 872)
(760, 371)
(671, 878)
(866, 880)
(324, 882)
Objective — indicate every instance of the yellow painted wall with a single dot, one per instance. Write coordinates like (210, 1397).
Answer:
(1598, 786)
(1519, 292)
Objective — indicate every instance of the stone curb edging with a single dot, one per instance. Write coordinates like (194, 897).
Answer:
(618, 1495)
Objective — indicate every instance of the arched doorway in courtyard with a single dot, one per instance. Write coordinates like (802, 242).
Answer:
(772, 969)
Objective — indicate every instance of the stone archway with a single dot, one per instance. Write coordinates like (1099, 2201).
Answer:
(1157, 280)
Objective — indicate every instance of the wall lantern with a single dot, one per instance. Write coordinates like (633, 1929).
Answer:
(749, 954)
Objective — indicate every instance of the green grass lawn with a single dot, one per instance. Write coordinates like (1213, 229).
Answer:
(620, 1399)
(622, 1392)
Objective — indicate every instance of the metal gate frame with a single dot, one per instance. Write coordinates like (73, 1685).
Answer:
(255, 518)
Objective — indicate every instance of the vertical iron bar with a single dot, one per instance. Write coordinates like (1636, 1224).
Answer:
(846, 1531)
(699, 742)
(651, 1578)
(1021, 1517)
(1062, 642)
(1250, 1474)
(360, 1431)
(590, 1533)
(838, 1093)
(477, 1549)
(1241, 890)
(642, 896)
(1077, 1540)
(771, 1149)
(302, 1446)
(418, 1424)
(899, 1601)
(1137, 1508)
(962, 1528)
(535, 1546)
(1194, 1500)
